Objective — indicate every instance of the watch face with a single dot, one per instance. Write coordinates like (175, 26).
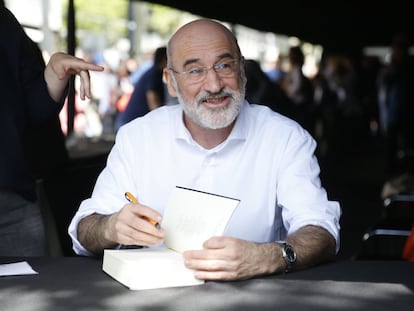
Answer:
(290, 254)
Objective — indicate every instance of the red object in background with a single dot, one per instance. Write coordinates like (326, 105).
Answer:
(408, 252)
(123, 101)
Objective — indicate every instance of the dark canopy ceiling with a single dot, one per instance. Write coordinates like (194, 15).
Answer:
(339, 25)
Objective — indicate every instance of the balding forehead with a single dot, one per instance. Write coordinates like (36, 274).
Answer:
(200, 31)
(203, 24)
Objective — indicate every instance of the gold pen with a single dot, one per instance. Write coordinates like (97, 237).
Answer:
(130, 197)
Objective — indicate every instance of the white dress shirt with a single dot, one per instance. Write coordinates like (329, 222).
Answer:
(267, 162)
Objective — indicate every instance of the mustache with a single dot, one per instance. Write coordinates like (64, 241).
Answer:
(211, 96)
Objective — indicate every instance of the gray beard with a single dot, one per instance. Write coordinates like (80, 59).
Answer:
(213, 118)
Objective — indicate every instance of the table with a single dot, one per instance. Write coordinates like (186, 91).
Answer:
(78, 283)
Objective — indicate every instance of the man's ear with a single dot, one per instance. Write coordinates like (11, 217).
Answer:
(168, 79)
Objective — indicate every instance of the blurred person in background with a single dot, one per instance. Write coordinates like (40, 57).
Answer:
(260, 89)
(299, 89)
(149, 91)
(276, 73)
(396, 105)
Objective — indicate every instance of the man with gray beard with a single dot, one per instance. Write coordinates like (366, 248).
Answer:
(217, 142)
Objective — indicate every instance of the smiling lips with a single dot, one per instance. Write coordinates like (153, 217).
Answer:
(217, 102)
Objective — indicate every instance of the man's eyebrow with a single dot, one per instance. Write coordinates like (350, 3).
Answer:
(225, 55)
(190, 61)
(219, 57)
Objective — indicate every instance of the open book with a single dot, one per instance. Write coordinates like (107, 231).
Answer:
(190, 218)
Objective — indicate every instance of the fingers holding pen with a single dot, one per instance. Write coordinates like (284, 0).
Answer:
(146, 218)
(134, 228)
(153, 220)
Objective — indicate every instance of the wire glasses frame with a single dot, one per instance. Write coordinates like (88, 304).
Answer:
(224, 69)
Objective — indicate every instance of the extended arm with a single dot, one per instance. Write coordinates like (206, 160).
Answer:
(225, 258)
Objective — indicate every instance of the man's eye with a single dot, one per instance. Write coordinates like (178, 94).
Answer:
(222, 66)
(195, 71)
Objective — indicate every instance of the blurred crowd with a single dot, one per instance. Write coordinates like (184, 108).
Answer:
(352, 97)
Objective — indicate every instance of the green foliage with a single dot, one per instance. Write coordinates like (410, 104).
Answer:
(108, 17)
(164, 20)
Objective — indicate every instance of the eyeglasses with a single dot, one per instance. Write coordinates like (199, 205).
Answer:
(195, 75)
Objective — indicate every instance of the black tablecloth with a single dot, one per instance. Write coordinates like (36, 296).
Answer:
(78, 283)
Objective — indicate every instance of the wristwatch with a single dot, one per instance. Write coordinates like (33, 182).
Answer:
(288, 255)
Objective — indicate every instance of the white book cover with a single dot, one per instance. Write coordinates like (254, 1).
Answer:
(190, 218)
